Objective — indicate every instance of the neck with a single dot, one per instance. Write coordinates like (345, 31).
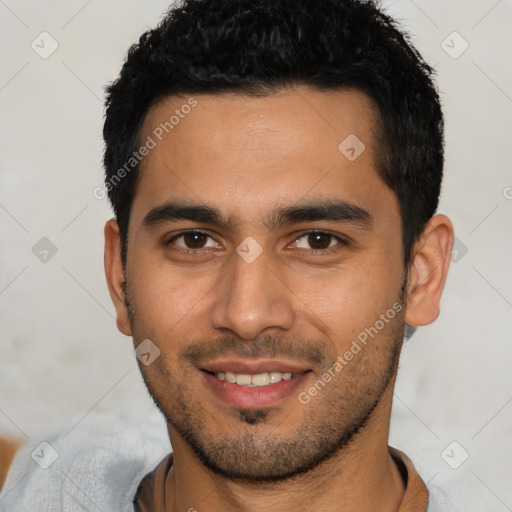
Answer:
(362, 476)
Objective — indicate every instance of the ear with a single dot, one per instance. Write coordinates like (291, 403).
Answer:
(428, 270)
(115, 275)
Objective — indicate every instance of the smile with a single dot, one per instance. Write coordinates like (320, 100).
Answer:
(250, 385)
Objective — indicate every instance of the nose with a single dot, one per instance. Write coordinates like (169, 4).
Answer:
(252, 298)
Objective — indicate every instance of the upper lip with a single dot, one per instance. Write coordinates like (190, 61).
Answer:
(253, 367)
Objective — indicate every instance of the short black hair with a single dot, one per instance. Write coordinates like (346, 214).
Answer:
(256, 47)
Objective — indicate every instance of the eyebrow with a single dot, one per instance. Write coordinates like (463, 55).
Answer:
(316, 210)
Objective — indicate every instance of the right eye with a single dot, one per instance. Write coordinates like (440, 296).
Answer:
(192, 240)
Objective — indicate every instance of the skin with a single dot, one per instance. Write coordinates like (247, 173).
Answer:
(247, 157)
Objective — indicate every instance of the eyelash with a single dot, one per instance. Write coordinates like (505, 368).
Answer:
(317, 252)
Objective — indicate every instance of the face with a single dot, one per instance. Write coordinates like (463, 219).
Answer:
(258, 247)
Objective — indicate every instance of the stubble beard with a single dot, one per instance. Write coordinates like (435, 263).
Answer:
(254, 451)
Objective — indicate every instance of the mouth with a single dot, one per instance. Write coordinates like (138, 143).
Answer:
(253, 385)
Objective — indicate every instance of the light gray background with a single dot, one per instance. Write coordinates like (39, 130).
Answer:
(61, 353)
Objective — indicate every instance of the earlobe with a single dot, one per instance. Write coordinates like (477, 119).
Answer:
(114, 273)
(428, 271)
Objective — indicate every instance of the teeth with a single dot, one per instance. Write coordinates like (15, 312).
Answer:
(243, 379)
(261, 379)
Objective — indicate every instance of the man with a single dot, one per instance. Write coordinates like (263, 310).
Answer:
(274, 167)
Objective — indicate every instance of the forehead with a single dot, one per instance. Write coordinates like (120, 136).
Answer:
(241, 153)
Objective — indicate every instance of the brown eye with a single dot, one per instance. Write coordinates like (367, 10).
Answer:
(317, 241)
(193, 240)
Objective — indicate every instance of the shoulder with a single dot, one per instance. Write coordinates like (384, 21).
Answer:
(101, 460)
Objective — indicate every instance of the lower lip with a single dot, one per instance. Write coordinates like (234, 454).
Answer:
(254, 397)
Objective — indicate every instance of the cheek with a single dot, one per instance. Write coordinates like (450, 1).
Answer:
(169, 303)
(348, 301)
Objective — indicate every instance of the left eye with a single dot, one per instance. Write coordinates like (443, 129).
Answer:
(317, 241)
